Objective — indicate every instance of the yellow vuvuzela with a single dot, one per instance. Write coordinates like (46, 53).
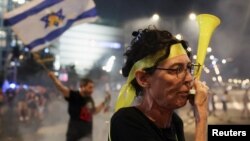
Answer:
(207, 24)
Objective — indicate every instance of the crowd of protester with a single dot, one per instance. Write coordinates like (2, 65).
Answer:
(24, 107)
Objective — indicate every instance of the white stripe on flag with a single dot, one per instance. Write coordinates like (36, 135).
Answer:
(31, 24)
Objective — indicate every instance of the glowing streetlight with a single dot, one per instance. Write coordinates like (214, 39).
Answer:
(189, 49)
(211, 57)
(120, 72)
(155, 17)
(194, 56)
(206, 69)
(214, 79)
(192, 16)
(219, 78)
(21, 57)
(224, 61)
(178, 36)
(109, 64)
(209, 49)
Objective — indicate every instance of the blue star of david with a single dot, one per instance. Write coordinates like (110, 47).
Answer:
(56, 16)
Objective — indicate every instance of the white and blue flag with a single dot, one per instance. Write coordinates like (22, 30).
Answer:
(39, 22)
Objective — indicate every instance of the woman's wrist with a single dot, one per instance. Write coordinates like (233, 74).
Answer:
(200, 113)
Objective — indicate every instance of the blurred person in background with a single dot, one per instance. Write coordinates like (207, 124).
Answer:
(212, 107)
(81, 108)
(224, 100)
(10, 116)
(246, 100)
(158, 70)
(22, 106)
(32, 105)
(10, 98)
(1, 109)
(1, 101)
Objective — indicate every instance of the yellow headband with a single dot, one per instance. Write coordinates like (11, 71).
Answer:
(127, 92)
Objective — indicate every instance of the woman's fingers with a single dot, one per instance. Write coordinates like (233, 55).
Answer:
(201, 92)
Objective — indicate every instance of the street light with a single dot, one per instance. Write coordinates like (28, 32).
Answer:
(224, 61)
(109, 64)
(209, 49)
(211, 57)
(194, 56)
(189, 49)
(155, 17)
(178, 36)
(192, 16)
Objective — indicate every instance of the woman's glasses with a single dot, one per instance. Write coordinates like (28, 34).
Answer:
(181, 70)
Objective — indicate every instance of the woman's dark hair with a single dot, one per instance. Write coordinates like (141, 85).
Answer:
(147, 42)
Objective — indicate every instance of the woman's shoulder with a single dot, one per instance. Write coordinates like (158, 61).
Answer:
(127, 114)
(126, 111)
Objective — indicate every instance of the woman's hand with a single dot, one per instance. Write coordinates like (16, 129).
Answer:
(200, 99)
(201, 96)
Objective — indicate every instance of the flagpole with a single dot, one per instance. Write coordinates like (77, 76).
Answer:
(9, 54)
(38, 59)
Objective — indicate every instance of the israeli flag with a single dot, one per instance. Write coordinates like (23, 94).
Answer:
(39, 22)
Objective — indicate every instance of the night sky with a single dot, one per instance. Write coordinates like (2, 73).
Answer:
(230, 39)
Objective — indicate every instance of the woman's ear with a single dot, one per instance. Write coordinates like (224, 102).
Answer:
(142, 78)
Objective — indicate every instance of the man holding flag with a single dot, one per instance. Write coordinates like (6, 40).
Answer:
(81, 108)
(39, 22)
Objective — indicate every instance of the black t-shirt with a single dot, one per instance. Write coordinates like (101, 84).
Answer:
(130, 124)
(80, 108)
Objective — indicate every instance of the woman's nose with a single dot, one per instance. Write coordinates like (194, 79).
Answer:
(189, 77)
